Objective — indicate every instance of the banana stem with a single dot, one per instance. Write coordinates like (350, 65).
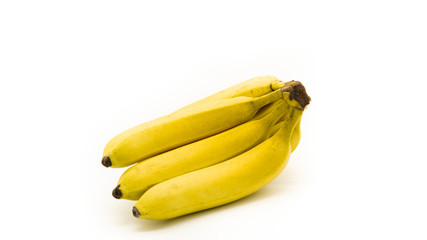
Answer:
(296, 91)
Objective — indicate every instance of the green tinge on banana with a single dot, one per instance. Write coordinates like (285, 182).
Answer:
(203, 153)
(185, 126)
(221, 183)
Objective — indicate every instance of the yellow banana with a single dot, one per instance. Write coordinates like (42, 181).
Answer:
(206, 152)
(293, 90)
(267, 109)
(183, 127)
(254, 87)
(296, 134)
(221, 183)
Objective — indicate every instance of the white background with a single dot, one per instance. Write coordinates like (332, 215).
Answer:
(75, 73)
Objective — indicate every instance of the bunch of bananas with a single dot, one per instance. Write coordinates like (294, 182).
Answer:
(211, 152)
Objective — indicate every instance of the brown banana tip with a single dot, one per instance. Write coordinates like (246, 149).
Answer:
(117, 193)
(297, 91)
(106, 161)
(136, 212)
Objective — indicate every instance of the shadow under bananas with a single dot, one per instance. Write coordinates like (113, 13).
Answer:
(282, 184)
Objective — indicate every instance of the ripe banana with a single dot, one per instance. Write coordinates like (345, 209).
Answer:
(293, 90)
(254, 87)
(183, 127)
(221, 183)
(203, 153)
(296, 134)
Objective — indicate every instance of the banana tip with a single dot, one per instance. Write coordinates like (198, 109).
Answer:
(136, 212)
(106, 161)
(117, 193)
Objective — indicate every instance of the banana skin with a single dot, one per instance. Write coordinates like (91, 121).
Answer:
(186, 126)
(254, 87)
(221, 183)
(203, 153)
(296, 134)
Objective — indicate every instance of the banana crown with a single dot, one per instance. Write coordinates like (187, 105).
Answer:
(295, 94)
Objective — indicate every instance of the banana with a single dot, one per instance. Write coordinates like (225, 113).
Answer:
(221, 183)
(183, 127)
(296, 134)
(254, 87)
(203, 153)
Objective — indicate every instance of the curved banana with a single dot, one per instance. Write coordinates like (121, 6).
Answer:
(254, 87)
(206, 152)
(221, 183)
(183, 127)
